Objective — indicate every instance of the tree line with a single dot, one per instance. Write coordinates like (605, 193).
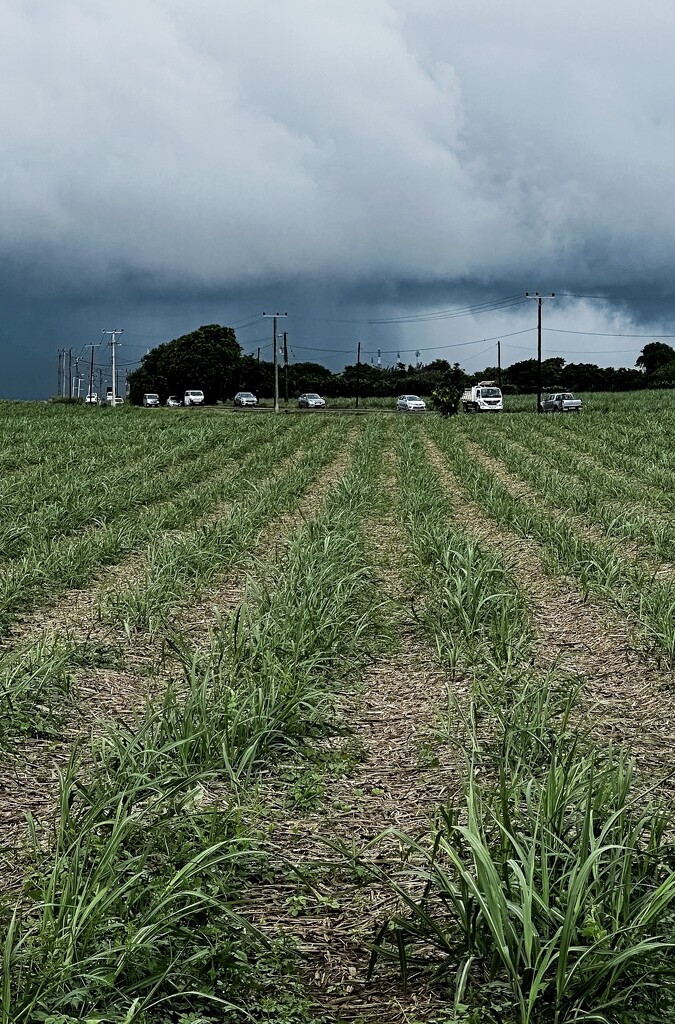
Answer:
(212, 360)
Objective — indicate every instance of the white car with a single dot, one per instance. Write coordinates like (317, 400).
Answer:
(91, 399)
(410, 403)
(151, 401)
(193, 398)
(311, 401)
(173, 402)
(245, 398)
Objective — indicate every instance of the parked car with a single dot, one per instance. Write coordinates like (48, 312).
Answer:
(193, 398)
(245, 398)
(311, 401)
(151, 401)
(91, 399)
(173, 402)
(561, 401)
(410, 403)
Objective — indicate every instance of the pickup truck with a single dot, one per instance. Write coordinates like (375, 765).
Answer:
(561, 401)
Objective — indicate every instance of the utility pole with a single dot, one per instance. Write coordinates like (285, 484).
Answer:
(58, 378)
(499, 363)
(285, 369)
(113, 343)
(70, 373)
(275, 317)
(258, 355)
(91, 370)
(100, 385)
(539, 298)
(358, 373)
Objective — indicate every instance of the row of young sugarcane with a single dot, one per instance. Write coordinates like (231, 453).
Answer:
(134, 904)
(595, 568)
(545, 890)
(619, 506)
(65, 463)
(639, 478)
(632, 437)
(87, 498)
(34, 436)
(55, 564)
(35, 675)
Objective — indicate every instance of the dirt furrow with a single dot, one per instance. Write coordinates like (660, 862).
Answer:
(396, 779)
(627, 697)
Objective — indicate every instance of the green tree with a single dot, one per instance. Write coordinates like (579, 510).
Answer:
(448, 393)
(664, 377)
(655, 355)
(208, 359)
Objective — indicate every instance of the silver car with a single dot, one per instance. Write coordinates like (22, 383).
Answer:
(311, 401)
(410, 403)
(243, 398)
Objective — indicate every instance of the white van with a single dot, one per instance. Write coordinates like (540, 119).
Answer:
(193, 398)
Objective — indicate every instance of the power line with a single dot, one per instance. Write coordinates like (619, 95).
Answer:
(601, 334)
(491, 305)
(428, 348)
(447, 315)
(584, 351)
(574, 295)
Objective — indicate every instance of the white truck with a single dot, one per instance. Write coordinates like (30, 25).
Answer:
(483, 397)
(193, 397)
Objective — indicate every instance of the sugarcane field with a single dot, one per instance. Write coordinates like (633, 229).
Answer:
(316, 719)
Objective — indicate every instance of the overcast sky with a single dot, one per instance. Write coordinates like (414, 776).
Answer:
(167, 164)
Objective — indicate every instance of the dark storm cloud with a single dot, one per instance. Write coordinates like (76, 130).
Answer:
(168, 165)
